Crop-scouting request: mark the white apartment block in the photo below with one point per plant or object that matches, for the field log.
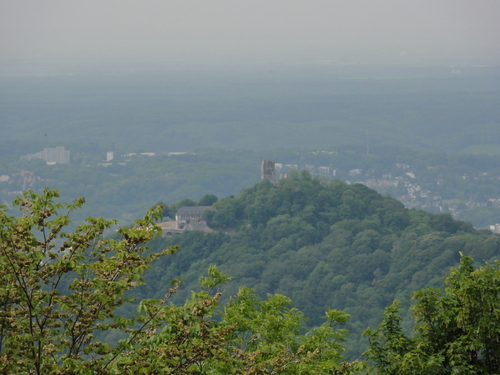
(56, 155)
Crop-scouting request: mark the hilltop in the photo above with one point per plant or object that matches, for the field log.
(324, 244)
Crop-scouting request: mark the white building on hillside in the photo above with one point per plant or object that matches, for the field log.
(56, 155)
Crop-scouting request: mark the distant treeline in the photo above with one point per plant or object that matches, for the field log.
(431, 108)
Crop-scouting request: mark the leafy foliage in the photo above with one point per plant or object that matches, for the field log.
(324, 244)
(458, 331)
(60, 291)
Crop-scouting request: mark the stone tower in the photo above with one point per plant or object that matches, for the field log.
(267, 171)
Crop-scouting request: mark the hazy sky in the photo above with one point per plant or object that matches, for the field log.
(149, 31)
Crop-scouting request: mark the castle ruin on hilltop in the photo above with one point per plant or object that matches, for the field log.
(267, 171)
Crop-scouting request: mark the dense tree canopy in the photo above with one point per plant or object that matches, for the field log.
(325, 245)
(66, 298)
(60, 292)
(458, 330)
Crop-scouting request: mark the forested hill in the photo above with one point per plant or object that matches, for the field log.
(324, 244)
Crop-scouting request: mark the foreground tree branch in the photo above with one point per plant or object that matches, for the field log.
(61, 291)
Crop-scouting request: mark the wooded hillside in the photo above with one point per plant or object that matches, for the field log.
(325, 245)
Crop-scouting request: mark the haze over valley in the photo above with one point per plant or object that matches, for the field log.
(382, 122)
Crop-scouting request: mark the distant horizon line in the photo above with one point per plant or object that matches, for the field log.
(30, 68)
